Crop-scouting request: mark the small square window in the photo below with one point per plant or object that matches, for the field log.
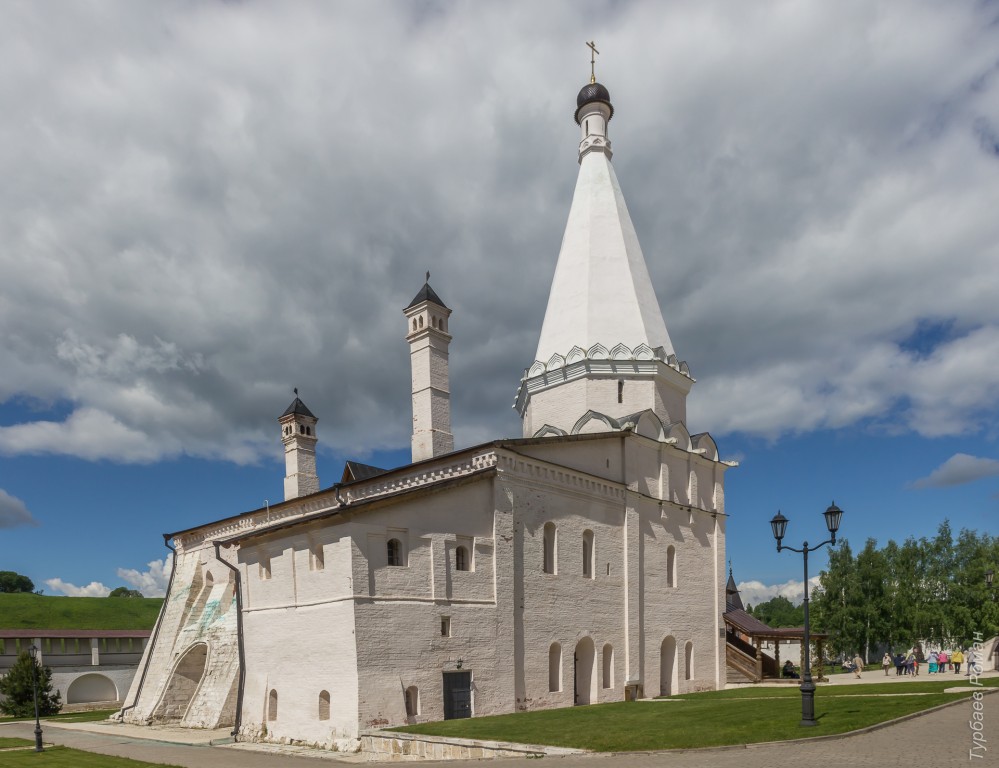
(445, 626)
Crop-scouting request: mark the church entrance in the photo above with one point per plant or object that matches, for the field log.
(457, 695)
(584, 672)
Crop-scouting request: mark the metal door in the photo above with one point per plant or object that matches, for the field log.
(457, 695)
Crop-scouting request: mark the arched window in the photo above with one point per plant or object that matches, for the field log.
(272, 705)
(324, 705)
(688, 661)
(412, 701)
(671, 566)
(395, 556)
(421, 322)
(414, 323)
(588, 554)
(608, 666)
(555, 667)
(551, 549)
(461, 559)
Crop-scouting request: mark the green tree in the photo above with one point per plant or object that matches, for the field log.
(16, 689)
(835, 604)
(15, 582)
(779, 612)
(125, 592)
(872, 606)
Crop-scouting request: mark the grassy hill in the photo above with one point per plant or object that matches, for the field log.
(27, 611)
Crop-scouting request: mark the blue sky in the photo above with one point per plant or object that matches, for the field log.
(210, 205)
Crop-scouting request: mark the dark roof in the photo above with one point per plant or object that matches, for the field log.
(593, 92)
(297, 408)
(427, 294)
(733, 601)
(70, 633)
(355, 470)
(753, 627)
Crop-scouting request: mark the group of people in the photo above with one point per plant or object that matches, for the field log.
(938, 661)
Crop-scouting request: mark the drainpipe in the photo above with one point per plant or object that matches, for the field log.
(156, 631)
(239, 639)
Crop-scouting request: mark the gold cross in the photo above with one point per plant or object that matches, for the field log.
(593, 60)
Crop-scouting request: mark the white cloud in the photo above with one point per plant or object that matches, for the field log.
(14, 512)
(203, 210)
(958, 470)
(93, 589)
(756, 592)
(151, 582)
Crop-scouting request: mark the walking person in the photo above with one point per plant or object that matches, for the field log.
(957, 658)
(899, 662)
(886, 663)
(858, 666)
(972, 659)
(910, 664)
(942, 658)
(933, 661)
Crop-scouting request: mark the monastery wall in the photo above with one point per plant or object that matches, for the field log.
(298, 628)
(424, 615)
(682, 597)
(578, 612)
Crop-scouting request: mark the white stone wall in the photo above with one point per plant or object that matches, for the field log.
(324, 610)
(196, 613)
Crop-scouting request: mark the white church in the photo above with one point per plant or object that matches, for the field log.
(579, 563)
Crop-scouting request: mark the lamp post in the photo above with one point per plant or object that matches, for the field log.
(33, 652)
(779, 526)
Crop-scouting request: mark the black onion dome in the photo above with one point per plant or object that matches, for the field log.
(593, 92)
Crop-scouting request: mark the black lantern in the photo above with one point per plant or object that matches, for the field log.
(833, 515)
(779, 526)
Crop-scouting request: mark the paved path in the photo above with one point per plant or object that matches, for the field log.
(935, 740)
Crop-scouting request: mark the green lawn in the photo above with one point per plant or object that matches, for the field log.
(698, 720)
(11, 741)
(69, 717)
(28, 611)
(63, 757)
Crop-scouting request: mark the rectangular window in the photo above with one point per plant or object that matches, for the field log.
(445, 626)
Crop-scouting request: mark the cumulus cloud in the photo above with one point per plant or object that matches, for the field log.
(756, 592)
(958, 470)
(93, 589)
(14, 512)
(151, 582)
(210, 204)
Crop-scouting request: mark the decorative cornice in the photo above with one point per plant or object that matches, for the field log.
(542, 472)
(423, 474)
(620, 360)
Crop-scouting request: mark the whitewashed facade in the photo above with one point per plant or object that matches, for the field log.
(580, 563)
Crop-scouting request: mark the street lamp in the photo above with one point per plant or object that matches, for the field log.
(33, 652)
(779, 526)
(988, 577)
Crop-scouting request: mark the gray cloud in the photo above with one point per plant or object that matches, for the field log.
(208, 205)
(958, 470)
(13, 512)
